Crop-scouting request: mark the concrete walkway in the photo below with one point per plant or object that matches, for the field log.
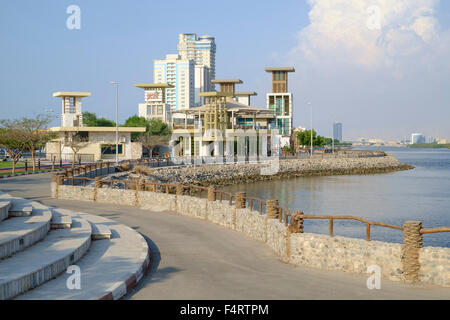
(194, 259)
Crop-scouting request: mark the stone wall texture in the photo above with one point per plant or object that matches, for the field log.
(305, 249)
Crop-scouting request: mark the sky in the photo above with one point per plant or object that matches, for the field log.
(380, 67)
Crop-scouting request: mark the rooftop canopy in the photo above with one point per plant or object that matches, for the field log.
(274, 69)
(231, 106)
(97, 129)
(246, 93)
(153, 85)
(219, 81)
(71, 94)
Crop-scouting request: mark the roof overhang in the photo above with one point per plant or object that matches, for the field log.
(274, 69)
(97, 129)
(245, 93)
(71, 94)
(219, 81)
(154, 85)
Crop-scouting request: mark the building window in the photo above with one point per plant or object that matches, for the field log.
(111, 149)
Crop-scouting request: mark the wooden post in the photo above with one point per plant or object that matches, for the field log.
(240, 200)
(271, 209)
(331, 227)
(179, 189)
(211, 194)
(368, 231)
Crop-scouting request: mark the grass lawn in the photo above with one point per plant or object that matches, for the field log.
(7, 164)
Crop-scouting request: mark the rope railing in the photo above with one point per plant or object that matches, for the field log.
(283, 215)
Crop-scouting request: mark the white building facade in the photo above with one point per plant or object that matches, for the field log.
(179, 73)
(202, 51)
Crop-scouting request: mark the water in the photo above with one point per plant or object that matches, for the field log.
(420, 194)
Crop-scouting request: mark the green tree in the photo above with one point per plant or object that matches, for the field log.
(13, 138)
(154, 127)
(91, 120)
(36, 134)
(304, 139)
(329, 141)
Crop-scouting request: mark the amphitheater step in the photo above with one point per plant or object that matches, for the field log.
(100, 232)
(108, 270)
(20, 208)
(19, 233)
(60, 220)
(4, 209)
(45, 260)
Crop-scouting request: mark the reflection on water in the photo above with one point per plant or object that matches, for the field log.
(420, 194)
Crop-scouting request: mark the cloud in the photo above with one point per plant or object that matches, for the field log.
(370, 34)
(376, 65)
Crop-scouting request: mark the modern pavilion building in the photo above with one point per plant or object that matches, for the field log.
(88, 143)
(280, 100)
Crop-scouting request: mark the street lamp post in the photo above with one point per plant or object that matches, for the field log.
(332, 141)
(309, 103)
(117, 120)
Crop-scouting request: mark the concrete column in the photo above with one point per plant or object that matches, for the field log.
(272, 211)
(211, 194)
(412, 242)
(239, 200)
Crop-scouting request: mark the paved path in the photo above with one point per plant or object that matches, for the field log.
(194, 259)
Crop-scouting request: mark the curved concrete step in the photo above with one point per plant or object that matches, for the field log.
(45, 260)
(19, 233)
(108, 270)
(4, 209)
(60, 220)
(100, 232)
(18, 207)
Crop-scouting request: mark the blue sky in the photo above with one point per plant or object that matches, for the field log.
(376, 90)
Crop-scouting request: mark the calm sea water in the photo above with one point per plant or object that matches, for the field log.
(420, 194)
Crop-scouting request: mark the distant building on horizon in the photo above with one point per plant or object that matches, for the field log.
(417, 138)
(337, 131)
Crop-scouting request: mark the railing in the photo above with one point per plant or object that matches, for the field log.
(283, 214)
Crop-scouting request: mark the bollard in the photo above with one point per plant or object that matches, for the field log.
(239, 201)
(39, 164)
(179, 189)
(272, 211)
(26, 165)
(211, 193)
(412, 242)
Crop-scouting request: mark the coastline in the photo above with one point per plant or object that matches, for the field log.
(228, 174)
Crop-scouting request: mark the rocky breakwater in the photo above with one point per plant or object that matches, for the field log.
(225, 174)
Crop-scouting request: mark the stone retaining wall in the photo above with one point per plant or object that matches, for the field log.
(306, 249)
(225, 174)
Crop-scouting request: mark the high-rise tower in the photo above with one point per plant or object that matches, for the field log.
(202, 51)
(280, 100)
(179, 73)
